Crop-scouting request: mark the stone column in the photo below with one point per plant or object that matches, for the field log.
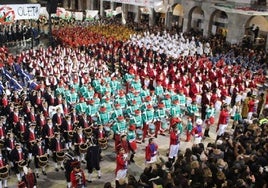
(152, 17)
(65, 4)
(101, 8)
(72, 4)
(137, 14)
(80, 5)
(89, 4)
(125, 10)
(112, 5)
(184, 25)
(205, 27)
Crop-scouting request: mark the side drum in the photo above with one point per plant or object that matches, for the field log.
(3, 173)
(42, 160)
(103, 143)
(60, 156)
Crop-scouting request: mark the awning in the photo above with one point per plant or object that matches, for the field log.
(178, 10)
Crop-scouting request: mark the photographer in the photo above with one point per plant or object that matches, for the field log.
(77, 176)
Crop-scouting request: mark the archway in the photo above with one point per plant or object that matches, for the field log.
(196, 17)
(178, 14)
(218, 23)
(256, 30)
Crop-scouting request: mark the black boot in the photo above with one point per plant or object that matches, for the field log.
(206, 133)
(217, 138)
(132, 158)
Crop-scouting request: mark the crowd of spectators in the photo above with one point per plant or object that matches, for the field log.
(236, 160)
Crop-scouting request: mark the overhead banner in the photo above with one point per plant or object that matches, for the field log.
(144, 3)
(10, 13)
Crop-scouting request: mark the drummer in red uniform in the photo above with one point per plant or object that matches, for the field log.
(121, 164)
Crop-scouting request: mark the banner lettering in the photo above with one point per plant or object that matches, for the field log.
(10, 13)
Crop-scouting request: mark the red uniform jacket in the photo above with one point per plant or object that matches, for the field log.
(77, 178)
(251, 105)
(121, 162)
(150, 151)
(174, 138)
(223, 118)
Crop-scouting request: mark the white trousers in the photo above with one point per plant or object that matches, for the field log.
(173, 150)
(121, 174)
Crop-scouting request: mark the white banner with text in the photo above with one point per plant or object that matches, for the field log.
(10, 13)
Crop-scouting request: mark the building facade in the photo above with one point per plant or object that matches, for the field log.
(233, 19)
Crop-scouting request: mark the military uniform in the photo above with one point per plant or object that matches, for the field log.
(147, 101)
(192, 110)
(104, 117)
(88, 93)
(115, 85)
(137, 98)
(118, 111)
(131, 139)
(121, 100)
(148, 119)
(159, 90)
(144, 93)
(81, 107)
(167, 102)
(189, 128)
(182, 100)
(107, 104)
(175, 112)
(60, 89)
(92, 110)
(136, 84)
(161, 122)
(209, 118)
(130, 95)
(119, 128)
(137, 119)
(131, 108)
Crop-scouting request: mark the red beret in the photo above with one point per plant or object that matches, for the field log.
(120, 118)
(91, 101)
(132, 127)
(167, 96)
(161, 105)
(102, 109)
(137, 111)
(148, 98)
(75, 164)
(117, 105)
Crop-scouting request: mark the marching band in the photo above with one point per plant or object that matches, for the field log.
(68, 107)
